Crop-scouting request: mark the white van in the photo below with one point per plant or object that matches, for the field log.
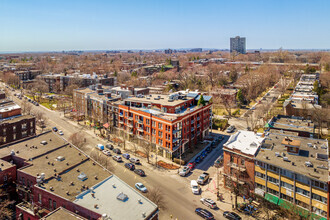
(195, 187)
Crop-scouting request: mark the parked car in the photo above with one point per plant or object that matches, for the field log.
(231, 215)
(126, 156)
(230, 129)
(198, 159)
(218, 161)
(55, 129)
(117, 151)
(195, 187)
(130, 166)
(209, 203)
(203, 178)
(184, 171)
(208, 149)
(204, 153)
(106, 152)
(141, 187)
(139, 172)
(204, 213)
(191, 165)
(36, 104)
(202, 156)
(109, 146)
(117, 158)
(134, 160)
(60, 132)
(100, 147)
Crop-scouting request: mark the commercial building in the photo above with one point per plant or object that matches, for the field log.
(293, 172)
(303, 127)
(238, 45)
(172, 123)
(51, 173)
(168, 51)
(239, 158)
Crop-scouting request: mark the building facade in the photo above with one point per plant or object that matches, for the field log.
(238, 45)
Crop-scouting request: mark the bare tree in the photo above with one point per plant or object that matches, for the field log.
(156, 195)
(41, 119)
(78, 140)
(146, 146)
(26, 107)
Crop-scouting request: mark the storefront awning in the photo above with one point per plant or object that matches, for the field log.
(271, 198)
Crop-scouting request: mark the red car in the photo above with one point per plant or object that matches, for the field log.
(191, 165)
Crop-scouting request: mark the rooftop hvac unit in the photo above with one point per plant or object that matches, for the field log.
(277, 154)
(286, 159)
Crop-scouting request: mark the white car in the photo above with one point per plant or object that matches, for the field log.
(134, 160)
(60, 132)
(117, 158)
(195, 187)
(141, 187)
(184, 171)
(106, 152)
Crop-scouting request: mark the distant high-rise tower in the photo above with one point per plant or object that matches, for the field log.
(238, 44)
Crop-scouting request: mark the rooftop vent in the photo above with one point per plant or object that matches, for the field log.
(286, 159)
(277, 154)
(43, 142)
(60, 158)
(82, 177)
(122, 197)
(308, 164)
(170, 100)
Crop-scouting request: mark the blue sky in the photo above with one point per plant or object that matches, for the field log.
(43, 25)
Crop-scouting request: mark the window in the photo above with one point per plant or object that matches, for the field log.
(160, 141)
(153, 124)
(260, 164)
(319, 211)
(302, 191)
(24, 133)
(272, 180)
(286, 197)
(14, 136)
(302, 204)
(160, 125)
(147, 121)
(260, 186)
(14, 128)
(274, 192)
(260, 175)
(319, 184)
(39, 198)
(153, 131)
(5, 178)
(54, 204)
(242, 161)
(319, 198)
(23, 181)
(286, 185)
(31, 132)
(4, 131)
(24, 126)
(160, 134)
(50, 204)
(273, 168)
(287, 173)
(302, 179)
(231, 158)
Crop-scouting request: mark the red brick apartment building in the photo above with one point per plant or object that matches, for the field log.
(51, 176)
(13, 125)
(238, 156)
(172, 122)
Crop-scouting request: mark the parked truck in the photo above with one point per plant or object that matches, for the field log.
(100, 147)
(203, 178)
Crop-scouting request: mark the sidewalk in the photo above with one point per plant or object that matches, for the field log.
(210, 191)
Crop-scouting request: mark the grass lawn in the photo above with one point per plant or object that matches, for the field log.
(222, 111)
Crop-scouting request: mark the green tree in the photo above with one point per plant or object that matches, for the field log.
(162, 69)
(201, 101)
(134, 74)
(240, 97)
(115, 73)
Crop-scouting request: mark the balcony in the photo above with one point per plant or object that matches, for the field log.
(130, 125)
(193, 121)
(140, 136)
(140, 129)
(130, 118)
(233, 178)
(192, 129)
(175, 131)
(175, 140)
(198, 125)
(140, 121)
(198, 118)
(237, 167)
(121, 122)
(130, 131)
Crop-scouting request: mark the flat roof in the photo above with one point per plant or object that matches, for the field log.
(162, 101)
(49, 162)
(5, 165)
(309, 149)
(295, 124)
(135, 206)
(32, 147)
(245, 141)
(63, 185)
(15, 119)
(62, 213)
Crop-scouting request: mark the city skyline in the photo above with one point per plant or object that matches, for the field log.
(102, 25)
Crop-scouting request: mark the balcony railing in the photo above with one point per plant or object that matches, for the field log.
(192, 129)
(140, 121)
(121, 122)
(198, 118)
(193, 121)
(175, 140)
(130, 118)
(130, 125)
(140, 129)
(198, 125)
(237, 167)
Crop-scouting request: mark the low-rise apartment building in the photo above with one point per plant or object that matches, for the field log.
(239, 158)
(172, 123)
(304, 127)
(51, 173)
(292, 172)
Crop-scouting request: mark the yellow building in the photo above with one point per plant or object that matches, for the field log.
(292, 172)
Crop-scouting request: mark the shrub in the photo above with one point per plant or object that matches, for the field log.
(178, 161)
